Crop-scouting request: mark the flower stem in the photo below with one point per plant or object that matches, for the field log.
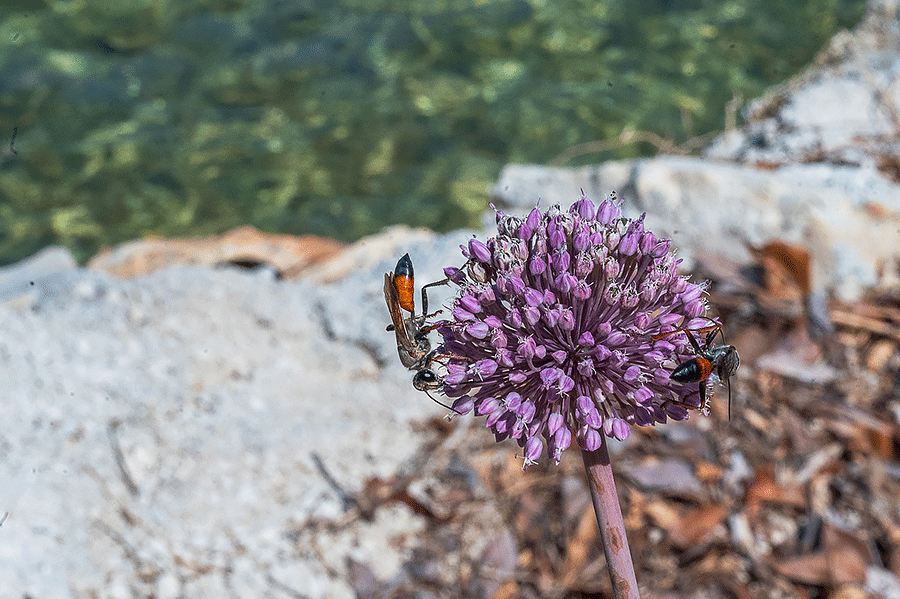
(609, 518)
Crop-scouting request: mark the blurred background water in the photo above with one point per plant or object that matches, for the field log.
(338, 117)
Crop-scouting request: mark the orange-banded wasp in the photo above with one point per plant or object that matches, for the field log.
(412, 333)
(721, 360)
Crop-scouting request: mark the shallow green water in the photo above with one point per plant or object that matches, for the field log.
(340, 117)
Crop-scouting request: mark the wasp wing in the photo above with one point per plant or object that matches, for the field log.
(392, 300)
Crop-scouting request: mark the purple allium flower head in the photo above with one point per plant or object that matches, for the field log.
(551, 334)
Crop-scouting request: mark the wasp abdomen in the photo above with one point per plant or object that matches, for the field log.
(692, 371)
(404, 283)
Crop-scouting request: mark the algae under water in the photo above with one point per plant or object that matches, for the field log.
(338, 117)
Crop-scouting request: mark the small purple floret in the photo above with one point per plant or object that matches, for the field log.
(551, 332)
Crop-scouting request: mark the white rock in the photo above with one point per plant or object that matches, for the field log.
(216, 386)
(849, 218)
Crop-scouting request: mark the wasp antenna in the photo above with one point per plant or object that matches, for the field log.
(721, 331)
(716, 328)
(442, 404)
(710, 337)
(729, 400)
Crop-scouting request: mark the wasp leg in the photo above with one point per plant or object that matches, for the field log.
(694, 343)
(707, 342)
(704, 401)
(685, 405)
(425, 317)
(451, 357)
(443, 281)
(425, 297)
(708, 330)
(432, 327)
(659, 336)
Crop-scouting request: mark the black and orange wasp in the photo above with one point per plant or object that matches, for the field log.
(413, 344)
(721, 360)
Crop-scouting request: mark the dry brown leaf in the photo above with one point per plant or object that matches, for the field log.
(697, 526)
(879, 354)
(865, 433)
(875, 209)
(707, 472)
(739, 591)
(808, 569)
(580, 548)
(765, 489)
(497, 567)
(663, 514)
(849, 553)
(378, 491)
(846, 566)
(509, 590)
(636, 510)
(786, 267)
(851, 591)
(290, 255)
(842, 560)
(855, 320)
